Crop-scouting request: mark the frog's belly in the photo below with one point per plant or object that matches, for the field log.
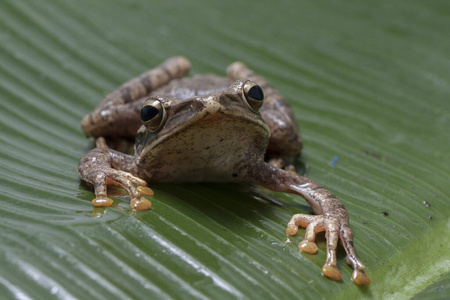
(211, 163)
(195, 170)
(221, 153)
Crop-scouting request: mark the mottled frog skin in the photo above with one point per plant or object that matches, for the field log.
(209, 128)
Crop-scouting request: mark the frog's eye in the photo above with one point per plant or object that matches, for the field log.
(153, 114)
(254, 95)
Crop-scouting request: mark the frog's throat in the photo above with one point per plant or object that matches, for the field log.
(219, 119)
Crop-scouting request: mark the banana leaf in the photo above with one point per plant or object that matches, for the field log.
(369, 85)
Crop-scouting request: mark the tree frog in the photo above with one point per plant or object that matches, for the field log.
(215, 129)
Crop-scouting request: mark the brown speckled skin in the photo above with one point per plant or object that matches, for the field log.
(211, 134)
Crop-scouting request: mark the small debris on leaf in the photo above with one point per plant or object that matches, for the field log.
(334, 161)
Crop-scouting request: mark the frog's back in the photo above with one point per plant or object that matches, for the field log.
(194, 86)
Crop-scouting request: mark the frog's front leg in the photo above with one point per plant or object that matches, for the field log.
(103, 166)
(331, 217)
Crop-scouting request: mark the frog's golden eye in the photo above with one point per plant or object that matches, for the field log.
(254, 95)
(153, 114)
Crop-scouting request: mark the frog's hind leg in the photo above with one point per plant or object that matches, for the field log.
(272, 97)
(122, 106)
(138, 87)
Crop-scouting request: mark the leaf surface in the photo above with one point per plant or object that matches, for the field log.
(369, 84)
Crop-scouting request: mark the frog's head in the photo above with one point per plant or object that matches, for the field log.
(228, 119)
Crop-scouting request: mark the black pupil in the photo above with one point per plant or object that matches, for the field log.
(148, 112)
(256, 93)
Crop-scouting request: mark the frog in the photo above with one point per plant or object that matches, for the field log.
(209, 128)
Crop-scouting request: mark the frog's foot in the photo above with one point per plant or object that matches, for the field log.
(96, 168)
(359, 276)
(334, 229)
(128, 181)
(281, 163)
(313, 224)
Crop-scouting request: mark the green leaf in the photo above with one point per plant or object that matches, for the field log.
(369, 84)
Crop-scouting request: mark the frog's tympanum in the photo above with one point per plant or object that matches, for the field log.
(210, 128)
